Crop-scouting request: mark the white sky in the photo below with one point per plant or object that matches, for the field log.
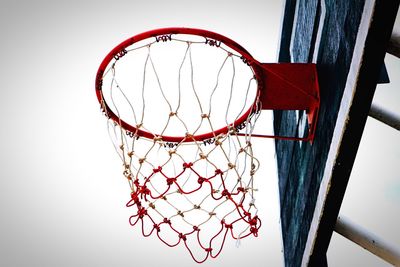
(62, 194)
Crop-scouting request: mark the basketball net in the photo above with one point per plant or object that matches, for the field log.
(191, 176)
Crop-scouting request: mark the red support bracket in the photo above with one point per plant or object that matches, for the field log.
(291, 86)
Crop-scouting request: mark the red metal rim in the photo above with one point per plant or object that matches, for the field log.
(166, 31)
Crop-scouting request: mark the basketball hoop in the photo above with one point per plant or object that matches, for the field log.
(181, 106)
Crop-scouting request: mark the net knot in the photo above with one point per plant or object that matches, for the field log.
(144, 190)
(128, 175)
(208, 250)
(201, 180)
(180, 213)
(130, 154)
(195, 228)
(218, 172)
(170, 181)
(205, 116)
(182, 236)
(241, 189)
(254, 231)
(226, 193)
(141, 160)
(202, 156)
(228, 226)
(171, 114)
(254, 221)
(134, 200)
(167, 221)
(142, 212)
(231, 165)
(135, 197)
(187, 165)
(158, 169)
(157, 227)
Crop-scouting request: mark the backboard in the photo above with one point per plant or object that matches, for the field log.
(347, 40)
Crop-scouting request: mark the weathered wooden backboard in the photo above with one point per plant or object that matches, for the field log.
(347, 40)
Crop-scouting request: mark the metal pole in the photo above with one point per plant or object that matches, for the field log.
(385, 116)
(368, 241)
(394, 44)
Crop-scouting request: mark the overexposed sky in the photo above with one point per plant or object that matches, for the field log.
(62, 193)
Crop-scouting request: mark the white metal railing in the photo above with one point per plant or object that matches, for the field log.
(394, 44)
(367, 240)
(386, 116)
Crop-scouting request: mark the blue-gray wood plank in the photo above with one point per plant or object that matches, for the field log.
(301, 167)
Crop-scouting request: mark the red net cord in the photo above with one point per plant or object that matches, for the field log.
(143, 194)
